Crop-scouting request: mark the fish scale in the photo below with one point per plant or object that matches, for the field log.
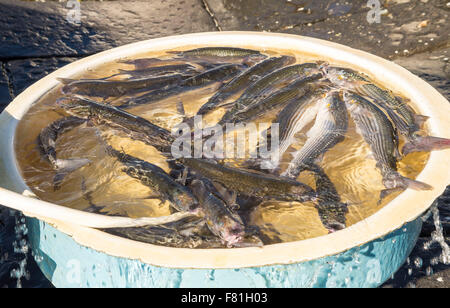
(217, 74)
(179, 196)
(252, 184)
(328, 130)
(240, 81)
(131, 125)
(277, 99)
(274, 79)
(378, 131)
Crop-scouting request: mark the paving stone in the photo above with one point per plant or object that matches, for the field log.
(35, 29)
(406, 27)
(433, 67)
(5, 96)
(26, 72)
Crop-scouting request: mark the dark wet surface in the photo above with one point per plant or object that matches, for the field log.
(36, 39)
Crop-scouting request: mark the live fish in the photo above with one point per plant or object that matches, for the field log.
(117, 88)
(184, 69)
(276, 100)
(376, 129)
(216, 52)
(295, 117)
(251, 183)
(165, 188)
(190, 232)
(145, 63)
(329, 129)
(243, 80)
(332, 211)
(211, 76)
(219, 218)
(132, 126)
(262, 87)
(47, 145)
(405, 119)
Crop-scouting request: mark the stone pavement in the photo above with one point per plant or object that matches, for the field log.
(36, 39)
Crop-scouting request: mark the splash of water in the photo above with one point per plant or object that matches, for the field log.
(20, 246)
(437, 236)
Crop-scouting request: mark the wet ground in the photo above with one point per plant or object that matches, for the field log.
(36, 38)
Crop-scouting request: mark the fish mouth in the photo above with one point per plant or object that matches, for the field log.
(233, 237)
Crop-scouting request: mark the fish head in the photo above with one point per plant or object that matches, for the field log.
(74, 107)
(253, 59)
(343, 77)
(185, 201)
(229, 229)
(310, 69)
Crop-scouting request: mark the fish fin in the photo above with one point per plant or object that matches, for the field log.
(416, 185)
(66, 166)
(397, 154)
(58, 179)
(65, 81)
(233, 201)
(319, 159)
(70, 165)
(426, 144)
(395, 181)
(420, 119)
(385, 192)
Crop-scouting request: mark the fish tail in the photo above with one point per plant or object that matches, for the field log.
(66, 166)
(394, 181)
(403, 183)
(416, 185)
(426, 144)
(420, 119)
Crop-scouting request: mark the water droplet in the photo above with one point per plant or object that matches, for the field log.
(418, 262)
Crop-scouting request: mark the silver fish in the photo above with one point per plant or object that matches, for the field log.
(332, 211)
(47, 143)
(132, 126)
(243, 80)
(328, 130)
(219, 218)
(295, 117)
(405, 119)
(377, 130)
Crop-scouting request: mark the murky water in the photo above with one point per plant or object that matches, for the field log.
(348, 165)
